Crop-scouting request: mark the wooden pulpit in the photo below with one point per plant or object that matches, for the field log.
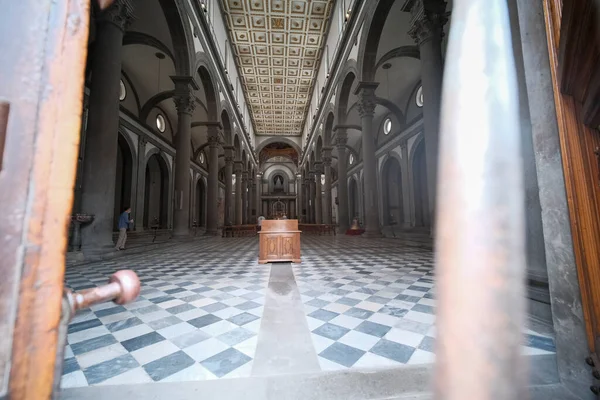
(279, 241)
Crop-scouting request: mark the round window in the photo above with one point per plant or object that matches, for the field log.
(351, 159)
(387, 126)
(322, 179)
(160, 123)
(202, 158)
(123, 92)
(419, 97)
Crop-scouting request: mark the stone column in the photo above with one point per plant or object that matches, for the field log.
(426, 28)
(307, 199)
(407, 197)
(185, 103)
(318, 194)
(238, 193)
(299, 197)
(366, 110)
(100, 154)
(245, 197)
(326, 157)
(138, 214)
(212, 198)
(312, 197)
(229, 217)
(343, 217)
(251, 199)
(258, 194)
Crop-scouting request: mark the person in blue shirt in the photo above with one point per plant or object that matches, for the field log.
(124, 221)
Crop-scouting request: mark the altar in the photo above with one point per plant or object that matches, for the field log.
(279, 241)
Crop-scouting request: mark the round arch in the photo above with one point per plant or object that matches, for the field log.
(156, 190)
(124, 176)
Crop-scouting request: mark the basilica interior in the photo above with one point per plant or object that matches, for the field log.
(204, 118)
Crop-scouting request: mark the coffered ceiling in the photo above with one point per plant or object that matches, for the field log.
(278, 46)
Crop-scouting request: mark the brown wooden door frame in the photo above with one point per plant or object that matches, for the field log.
(573, 44)
(44, 49)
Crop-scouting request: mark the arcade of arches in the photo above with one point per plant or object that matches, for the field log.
(200, 115)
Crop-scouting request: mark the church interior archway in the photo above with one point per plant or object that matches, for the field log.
(200, 202)
(421, 199)
(392, 192)
(123, 179)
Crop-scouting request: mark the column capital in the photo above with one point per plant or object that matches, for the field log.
(244, 176)
(214, 141)
(238, 167)
(327, 160)
(318, 168)
(367, 100)
(185, 102)
(428, 20)
(120, 14)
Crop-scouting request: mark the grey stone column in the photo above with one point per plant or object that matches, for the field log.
(428, 19)
(366, 110)
(343, 217)
(407, 198)
(312, 197)
(138, 214)
(244, 197)
(212, 198)
(238, 193)
(258, 194)
(318, 194)
(306, 199)
(185, 103)
(299, 196)
(229, 217)
(100, 155)
(327, 170)
(251, 199)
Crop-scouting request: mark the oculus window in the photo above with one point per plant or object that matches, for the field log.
(160, 123)
(419, 97)
(123, 92)
(387, 126)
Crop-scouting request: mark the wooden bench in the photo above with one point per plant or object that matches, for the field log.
(239, 230)
(318, 229)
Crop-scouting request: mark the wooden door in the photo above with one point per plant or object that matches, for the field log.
(43, 45)
(574, 48)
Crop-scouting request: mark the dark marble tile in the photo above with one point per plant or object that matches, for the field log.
(229, 289)
(142, 341)
(164, 322)
(427, 344)
(342, 354)
(181, 308)
(93, 344)
(214, 307)
(393, 311)
(249, 305)
(378, 299)
(124, 324)
(225, 362)
(205, 320)
(242, 319)
(348, 301)
(162, 299)
(419, 288)
(372, 328)
(111, 368)
(202, 289)
(340, 292)
(331, 331)
(393, 351)
(168, 365)
(176, 290)
(110, 311)
(323, 315)
(358, 313)
(146, 310)
(424, 309)
(410, 299)
(251, 296)
(70, 365)
(81, 326)
(317, 303)
(194, 297)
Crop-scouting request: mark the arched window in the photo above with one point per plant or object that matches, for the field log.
(419, 97)
(160, 123)
(123, 92)
(387, 126)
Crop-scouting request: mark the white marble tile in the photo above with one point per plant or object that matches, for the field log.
(404, 337)
(154, 352)
(206, 349)
(73, 379)
(87, 334)
(136, 375)
(132, 332)
(176, 330)
(359, 340)
(100, 355)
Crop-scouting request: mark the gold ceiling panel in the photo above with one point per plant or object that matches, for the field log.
(278, 46)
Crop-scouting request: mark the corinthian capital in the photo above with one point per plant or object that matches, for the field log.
(119, 13)
(367, 100)
(185, 103)
(428, 20)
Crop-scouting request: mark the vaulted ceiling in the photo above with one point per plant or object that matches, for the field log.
(278, 46)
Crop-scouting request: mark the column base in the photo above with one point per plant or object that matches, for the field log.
(211, 232)
(181, 234)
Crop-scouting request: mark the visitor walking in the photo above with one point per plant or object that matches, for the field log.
(124, 221)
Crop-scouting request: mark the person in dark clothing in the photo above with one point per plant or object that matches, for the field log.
(124, 221)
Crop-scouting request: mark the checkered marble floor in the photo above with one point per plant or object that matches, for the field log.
(197, 317)
(370, 303)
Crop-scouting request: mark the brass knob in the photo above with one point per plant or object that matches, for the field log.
(123, 287)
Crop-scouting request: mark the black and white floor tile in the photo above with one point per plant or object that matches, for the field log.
(368, 304)
(197, 317)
